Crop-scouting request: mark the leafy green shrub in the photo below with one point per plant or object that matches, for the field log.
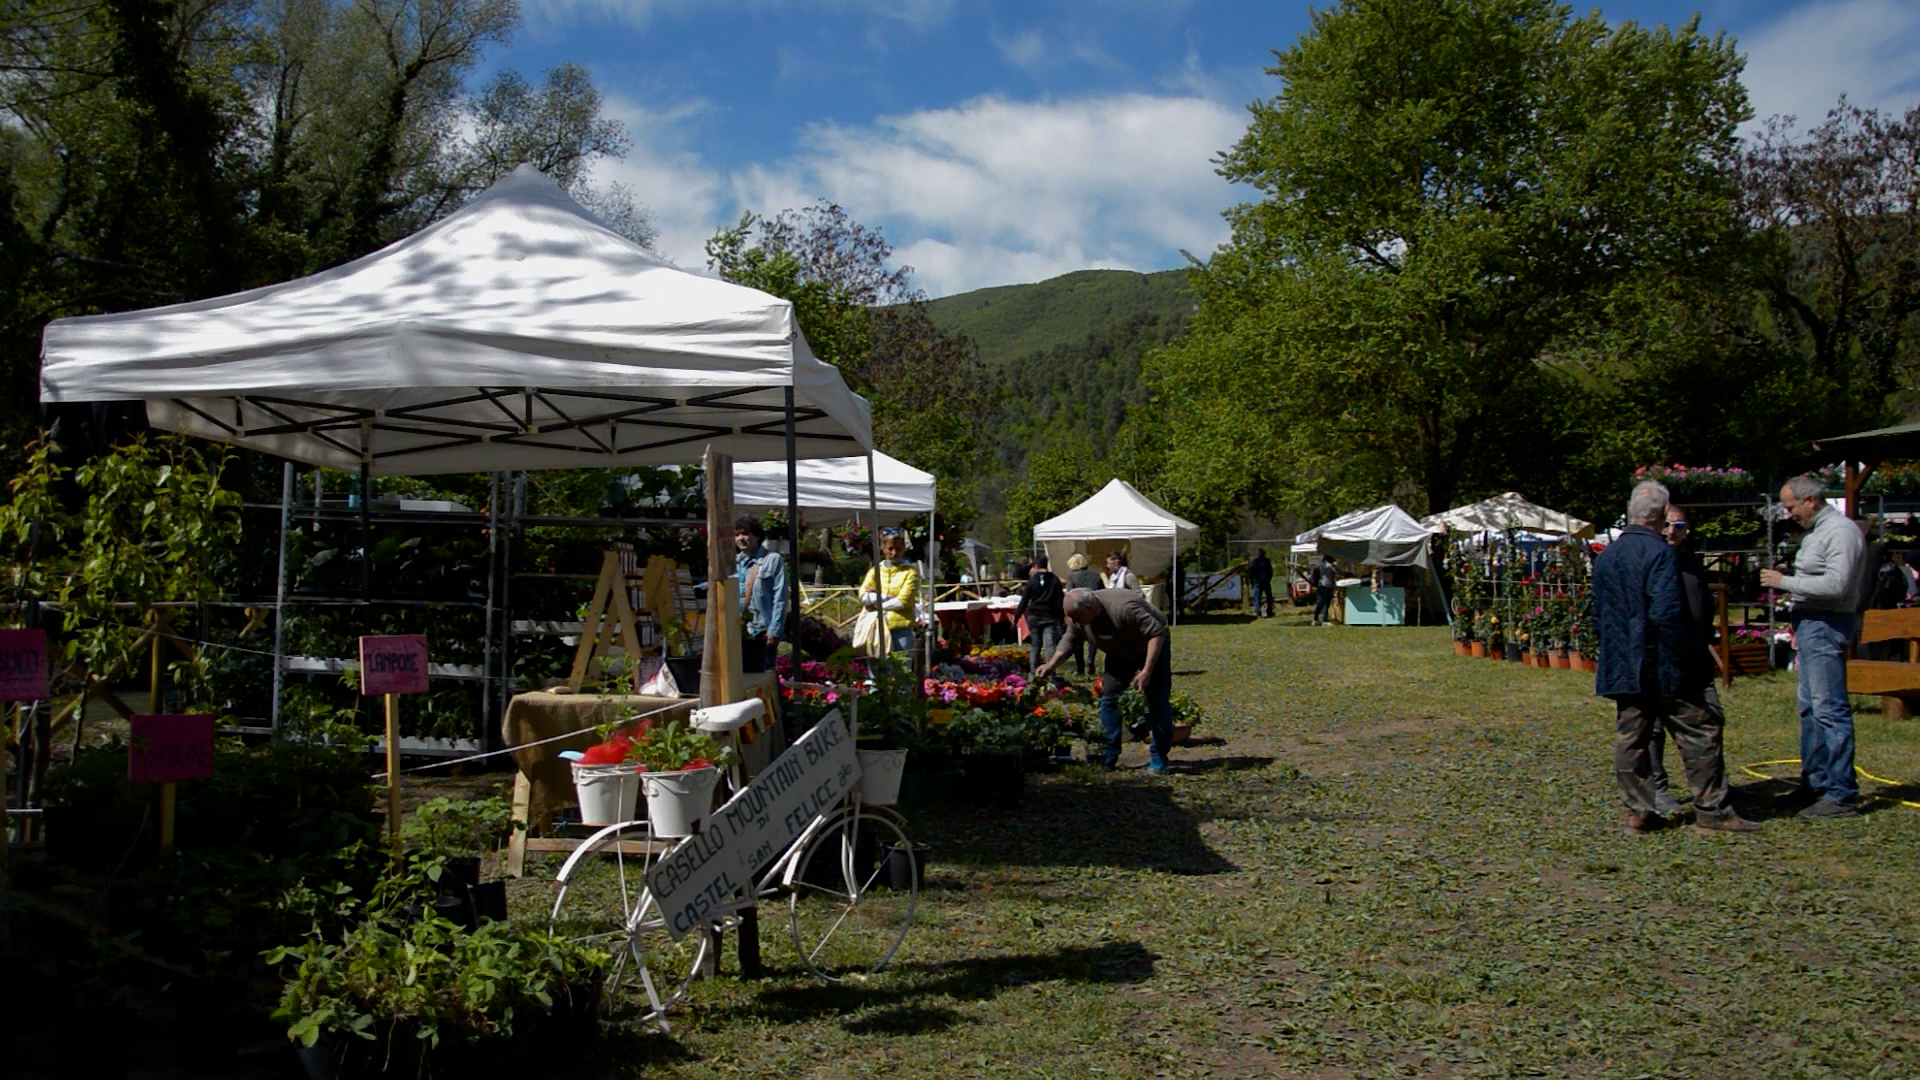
(430, 981)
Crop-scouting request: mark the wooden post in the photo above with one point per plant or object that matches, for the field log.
(1726, 637)
(393, 764)
(156, 700)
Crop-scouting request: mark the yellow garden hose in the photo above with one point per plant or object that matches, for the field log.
(1752, 768)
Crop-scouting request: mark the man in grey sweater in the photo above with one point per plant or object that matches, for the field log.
(1822, 589)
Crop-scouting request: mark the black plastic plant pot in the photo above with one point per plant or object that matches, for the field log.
(454, 909)
(488, 902)
(461, 872)
(997, 780)
(907, 866)
(686, 672)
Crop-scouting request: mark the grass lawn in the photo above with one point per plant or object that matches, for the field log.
(1382, 860)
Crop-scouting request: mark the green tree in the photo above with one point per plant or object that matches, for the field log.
(926, 388)
(1452, 188)
(1837, 213)
(156, 151)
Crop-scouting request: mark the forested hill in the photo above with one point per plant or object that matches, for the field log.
(1068, 354)
(1013, 322)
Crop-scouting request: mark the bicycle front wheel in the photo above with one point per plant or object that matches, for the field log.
(601, 899)
(847, 920)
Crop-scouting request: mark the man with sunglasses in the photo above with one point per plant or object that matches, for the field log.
(1698, 638)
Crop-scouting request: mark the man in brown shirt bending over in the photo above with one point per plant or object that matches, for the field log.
(1132, 635)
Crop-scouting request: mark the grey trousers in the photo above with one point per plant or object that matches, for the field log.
(1694, 723)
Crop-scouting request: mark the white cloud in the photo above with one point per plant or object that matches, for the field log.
(987, 192)
(686, 197)
(918, 14)
(1026, 50)
(992, 190)
(1800, 63)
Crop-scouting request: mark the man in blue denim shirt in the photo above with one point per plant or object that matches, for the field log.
(762, 575)
(1824, 623)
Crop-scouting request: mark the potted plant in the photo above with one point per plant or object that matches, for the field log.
(447, 837)
(994, 746)
(679, 769)
(680, 658)
(1187, 715)
(606, 781)
(379, 995)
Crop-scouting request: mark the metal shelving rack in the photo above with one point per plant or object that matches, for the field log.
(501, 628)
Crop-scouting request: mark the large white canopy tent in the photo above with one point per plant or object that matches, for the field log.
(1118, 516)
(1508, 511)
(838, 489)
(519, 332)
(1382, 536)
(877, 488)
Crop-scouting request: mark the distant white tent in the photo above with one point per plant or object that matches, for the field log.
(1508, 511)
(1383, 536)
(832, 490)
(1118, 516)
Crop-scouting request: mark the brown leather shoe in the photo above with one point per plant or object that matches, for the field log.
(1644, 823)
(1732, 823)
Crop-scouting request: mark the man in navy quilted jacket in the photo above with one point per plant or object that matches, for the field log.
(1655, 673)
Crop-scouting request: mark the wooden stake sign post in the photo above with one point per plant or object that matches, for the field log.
(391, 666)
(165, 750)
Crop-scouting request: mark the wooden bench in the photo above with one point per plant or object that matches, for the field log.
(1896, 681)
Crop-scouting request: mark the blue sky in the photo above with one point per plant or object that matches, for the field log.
(1006, 142)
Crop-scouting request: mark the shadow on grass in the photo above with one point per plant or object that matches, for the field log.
(898, 1005)
(1234, 763)
(1080, 817)
(1215, 618)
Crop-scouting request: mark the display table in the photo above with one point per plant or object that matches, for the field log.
(1365, 606)
(543, 784)
(977, 616)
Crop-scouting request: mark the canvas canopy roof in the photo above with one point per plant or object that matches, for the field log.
(836, 488)
(1508, 511)
(1118, 516)
(518, 333)
(1383, 536)
(1387, 526)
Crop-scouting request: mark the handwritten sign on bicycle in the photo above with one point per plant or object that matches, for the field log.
(700, 876)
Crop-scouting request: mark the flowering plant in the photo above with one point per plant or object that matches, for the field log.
(616, 743)
(673, 748)
(1699, 480)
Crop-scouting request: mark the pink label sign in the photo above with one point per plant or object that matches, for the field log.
(23, 665)
(393, 665)
(168, 748)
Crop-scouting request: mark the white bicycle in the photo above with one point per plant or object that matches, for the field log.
(850, 881)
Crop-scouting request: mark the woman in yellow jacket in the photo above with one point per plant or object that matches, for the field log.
(895, 591)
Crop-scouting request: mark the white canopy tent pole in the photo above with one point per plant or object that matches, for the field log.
(1173, 577)
(933, 579)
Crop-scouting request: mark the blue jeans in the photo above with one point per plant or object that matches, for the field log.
(1159, 709)
(1042, 638)
(1826, 719)
(1262, 599)
(901, 640)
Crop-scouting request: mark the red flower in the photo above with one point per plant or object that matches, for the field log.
(1039, 711)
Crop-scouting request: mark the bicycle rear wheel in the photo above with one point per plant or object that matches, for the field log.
(847, 920)
(601, 899)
